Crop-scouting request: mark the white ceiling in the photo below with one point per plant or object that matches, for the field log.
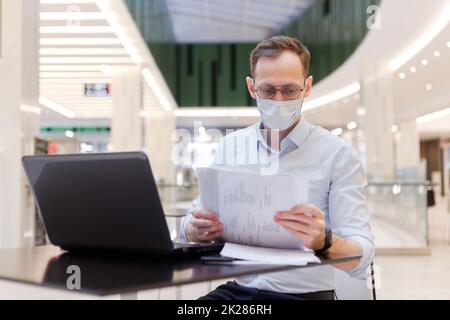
(374, 56)
(64, 67)
(379, 48)
(231, 20)
(83, 41)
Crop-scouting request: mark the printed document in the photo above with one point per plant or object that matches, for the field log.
(247, 203)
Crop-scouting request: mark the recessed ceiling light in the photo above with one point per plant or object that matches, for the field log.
(428, 86)
(107, 70)
(69, 134)
(437, 53)
(413, 69)
(448, 44)
(402, 75)
(424, 62)
(394, 128)
(361, 112)
(352, 125)
(337, 131)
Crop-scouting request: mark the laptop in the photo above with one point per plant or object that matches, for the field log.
(103, 202)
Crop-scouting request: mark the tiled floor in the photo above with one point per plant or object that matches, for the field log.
(420, 277)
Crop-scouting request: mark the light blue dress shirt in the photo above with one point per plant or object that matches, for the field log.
(336, 186)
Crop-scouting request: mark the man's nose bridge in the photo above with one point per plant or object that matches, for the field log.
(278, 95)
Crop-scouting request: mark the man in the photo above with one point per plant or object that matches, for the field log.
(335, 219)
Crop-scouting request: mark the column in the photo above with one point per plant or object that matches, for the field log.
(126, 122)
(159, 126)
(18, 90)
(376, 123)
(407, 145)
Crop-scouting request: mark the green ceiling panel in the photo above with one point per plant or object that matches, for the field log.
(214, 74)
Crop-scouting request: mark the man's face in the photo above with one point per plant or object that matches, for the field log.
(285, 69)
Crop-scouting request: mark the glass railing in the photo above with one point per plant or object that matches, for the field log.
(399, 214)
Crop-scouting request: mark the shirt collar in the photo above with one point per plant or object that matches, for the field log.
(298, 135)
(301, 131)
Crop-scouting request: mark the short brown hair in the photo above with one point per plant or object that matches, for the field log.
(274, 46)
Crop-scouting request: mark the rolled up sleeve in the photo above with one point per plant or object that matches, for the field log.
(184, 221)
(348, 211)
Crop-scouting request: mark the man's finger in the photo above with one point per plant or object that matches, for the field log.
(209, 236)
(301, 235)
(215, 228)
(300, 227)
(202, 214)
(198, 223)
(289, 216)
(308, 209)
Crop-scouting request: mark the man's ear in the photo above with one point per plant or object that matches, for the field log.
(250, 87)
(308, 85)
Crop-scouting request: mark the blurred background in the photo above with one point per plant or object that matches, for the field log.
(167, 77)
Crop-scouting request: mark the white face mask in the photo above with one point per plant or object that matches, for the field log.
(279, 115)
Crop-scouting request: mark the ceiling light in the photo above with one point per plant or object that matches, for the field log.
(67, 1)
(428, 86)
(107, 70)
(394, 128)
(422, 41)
(76, 29)
(217, 112)
(72, 82)
(437, 53)
(84, 60)
(31, 109)
(71, 16)
(448, 44)
(144, 113)
(55, 107)
(153, 84)
(82, 51)
(337, 131)
(361, 112)
(79, 41)
(119, 30)
(64, 67)
(433, 116)
(351, 125)
(424, 62)
(70, 75)
(86, 147)
(413, 69)
(331, 97)
(402, 75)
(69, 134)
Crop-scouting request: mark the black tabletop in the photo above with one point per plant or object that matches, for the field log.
(112, 274)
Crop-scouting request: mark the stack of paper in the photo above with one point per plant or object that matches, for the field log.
(247, 203)
(260, 255)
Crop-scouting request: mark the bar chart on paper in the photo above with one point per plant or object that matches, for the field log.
(247, 203)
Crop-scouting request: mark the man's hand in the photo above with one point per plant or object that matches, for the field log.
(306, 222)
(204, 226)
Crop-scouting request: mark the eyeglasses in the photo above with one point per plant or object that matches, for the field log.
(289, 91)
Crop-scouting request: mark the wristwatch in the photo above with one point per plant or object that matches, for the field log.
(328, 241)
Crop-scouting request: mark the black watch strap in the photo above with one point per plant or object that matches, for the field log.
(328, 241)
